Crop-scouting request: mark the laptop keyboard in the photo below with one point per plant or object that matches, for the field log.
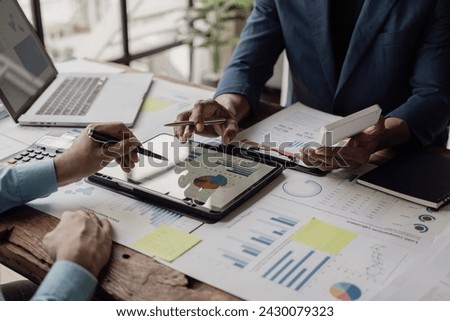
(73, 97)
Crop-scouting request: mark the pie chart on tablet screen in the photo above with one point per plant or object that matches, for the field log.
(210, 182)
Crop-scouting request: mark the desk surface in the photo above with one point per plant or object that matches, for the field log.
(130, 275)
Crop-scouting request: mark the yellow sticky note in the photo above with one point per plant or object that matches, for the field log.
(153, 104)
(324, 236)
(166, 242)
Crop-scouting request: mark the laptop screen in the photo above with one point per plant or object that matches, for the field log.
(25, 68)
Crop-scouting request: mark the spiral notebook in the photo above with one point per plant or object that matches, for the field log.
(422, 177)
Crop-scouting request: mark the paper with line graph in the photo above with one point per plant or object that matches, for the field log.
(313, 238)
(289, 129)
(270, 254)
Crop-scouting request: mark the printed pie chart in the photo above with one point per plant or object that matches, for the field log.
(302, 189)
(345, 291)
(210, 182)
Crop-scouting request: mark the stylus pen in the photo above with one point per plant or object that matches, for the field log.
(102, 139)
(191, 123)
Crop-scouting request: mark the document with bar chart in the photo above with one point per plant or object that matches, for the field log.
(321, 249)
(130, 218)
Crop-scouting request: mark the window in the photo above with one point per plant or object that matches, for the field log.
(123, 31)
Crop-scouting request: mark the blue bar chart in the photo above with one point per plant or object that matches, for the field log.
(264, 240)
(283, 220)
(298, 143)
(236, 260)
(157, 216)
(235, 168)
(293, 269)
(248, 241)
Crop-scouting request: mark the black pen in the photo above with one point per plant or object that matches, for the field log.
(103, 139)
(191, 123)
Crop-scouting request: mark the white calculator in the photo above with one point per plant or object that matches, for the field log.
(45, 147)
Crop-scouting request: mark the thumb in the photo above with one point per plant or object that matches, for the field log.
(372, 132)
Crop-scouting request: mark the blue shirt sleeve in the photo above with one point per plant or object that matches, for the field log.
(66, 281)
(22, 183)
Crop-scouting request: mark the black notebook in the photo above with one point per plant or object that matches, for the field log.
(421, 177)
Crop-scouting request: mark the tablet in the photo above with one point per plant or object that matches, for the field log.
(206, 182)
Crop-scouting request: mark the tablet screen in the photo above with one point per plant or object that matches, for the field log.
(193, 174)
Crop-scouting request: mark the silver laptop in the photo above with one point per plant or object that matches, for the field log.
(35, 94)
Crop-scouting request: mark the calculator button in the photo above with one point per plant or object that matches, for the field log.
(25, 159)
(18, 157)
(24, 153)
(37, 152)
(39, 157)
(51, 155)
(32, 155)
(42, 148)
(30, 150)
(60, 151)
(45, 153)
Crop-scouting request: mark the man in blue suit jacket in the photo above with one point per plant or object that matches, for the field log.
(344, 56)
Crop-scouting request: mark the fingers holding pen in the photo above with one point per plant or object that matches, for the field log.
(201, 115)
(179, 131)
(197, 116)
(120, 144)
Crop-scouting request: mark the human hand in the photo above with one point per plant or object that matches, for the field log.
(204, 110)
(353, 153)
(85, 156)
(82, 238)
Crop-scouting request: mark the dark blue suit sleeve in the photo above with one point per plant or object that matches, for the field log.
(252, 62)
(427, 111)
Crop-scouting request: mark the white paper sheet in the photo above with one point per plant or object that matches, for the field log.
(9, 146)
(131, 219)
(165, 101)
(339, 195)
(14, 138)
(289, 129)
(386, 243)
(427, 279)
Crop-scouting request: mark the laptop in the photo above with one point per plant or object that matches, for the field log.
(34, 93)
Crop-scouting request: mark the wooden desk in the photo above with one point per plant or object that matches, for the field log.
(129, 275)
